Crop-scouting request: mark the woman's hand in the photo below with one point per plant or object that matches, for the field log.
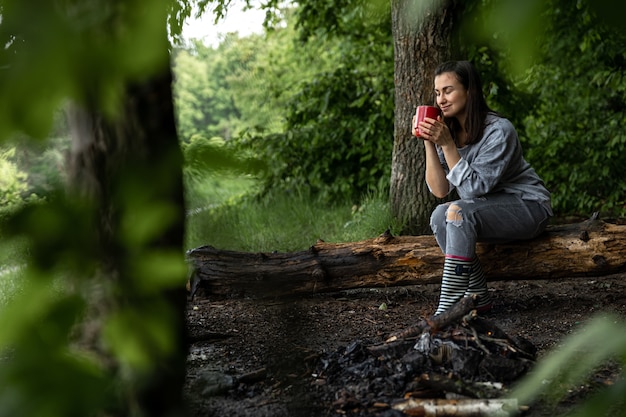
(435, 131)
(414, 127)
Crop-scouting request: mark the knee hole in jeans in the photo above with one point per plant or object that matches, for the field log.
(454, 215)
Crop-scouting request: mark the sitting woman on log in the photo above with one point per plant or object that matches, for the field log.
(476, 152)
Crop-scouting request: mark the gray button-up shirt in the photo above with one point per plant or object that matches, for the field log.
(495, 164)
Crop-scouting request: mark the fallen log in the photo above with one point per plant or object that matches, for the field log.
(590, 248)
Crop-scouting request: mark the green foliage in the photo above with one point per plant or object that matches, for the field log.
(333, 143)
(38, 322)
(338, 131)
(565, 93)
(242, 84)
(212, 155)
(214, 173)
(44, 355)
(344, 19)
(575, 132)
(268, 73)
(83, 46)
(250, 224)
(13, 182)
(569, 365)
(317, 115)
(205, 191)
(371, 217)
(203, 99)
(44, 161)
(191, 84)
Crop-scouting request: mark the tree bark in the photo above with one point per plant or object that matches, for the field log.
(124, 166)
(423, 38)
(591, 248)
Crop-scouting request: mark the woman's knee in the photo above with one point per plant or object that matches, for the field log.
(448, 213)
(438, 217)
(454, 214)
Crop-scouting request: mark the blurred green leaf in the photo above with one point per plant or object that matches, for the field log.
(89, 56)
(21, 314)
(156, 271)
(143, 222)
(140, 337)
(574, 360)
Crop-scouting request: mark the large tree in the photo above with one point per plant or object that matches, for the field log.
(98, 328)
(129, 170)
(423, 34)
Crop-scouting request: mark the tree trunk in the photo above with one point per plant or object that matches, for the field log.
(423, 38)
(125, 168)
(591, 248)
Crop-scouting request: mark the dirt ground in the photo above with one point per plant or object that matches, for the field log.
(260, 357)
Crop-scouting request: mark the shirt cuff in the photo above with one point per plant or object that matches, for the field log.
(460, 171)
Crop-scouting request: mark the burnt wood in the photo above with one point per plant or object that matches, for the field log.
(590, 248)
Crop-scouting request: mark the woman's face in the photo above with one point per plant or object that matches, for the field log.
(451, 95)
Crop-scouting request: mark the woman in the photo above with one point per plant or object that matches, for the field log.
(476, 152)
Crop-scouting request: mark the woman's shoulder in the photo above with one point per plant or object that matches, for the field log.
(495, 122)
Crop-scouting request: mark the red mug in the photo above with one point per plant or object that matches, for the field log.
(425, 111)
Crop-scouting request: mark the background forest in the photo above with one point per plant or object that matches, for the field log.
(309, 111)
(318, 116)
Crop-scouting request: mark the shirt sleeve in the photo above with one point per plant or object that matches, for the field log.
(488, 164)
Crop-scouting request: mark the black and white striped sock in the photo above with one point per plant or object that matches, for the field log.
(455, 281)
(478, 285)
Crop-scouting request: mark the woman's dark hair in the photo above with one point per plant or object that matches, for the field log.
(477, 108)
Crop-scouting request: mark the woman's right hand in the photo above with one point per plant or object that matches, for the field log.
(436, 132)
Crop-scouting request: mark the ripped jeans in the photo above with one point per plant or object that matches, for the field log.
(498, 217)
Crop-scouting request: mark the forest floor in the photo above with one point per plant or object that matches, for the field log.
(262, 358)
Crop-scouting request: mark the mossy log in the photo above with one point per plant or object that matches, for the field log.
(590, 248)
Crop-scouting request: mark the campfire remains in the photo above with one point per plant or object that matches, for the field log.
(454, 364)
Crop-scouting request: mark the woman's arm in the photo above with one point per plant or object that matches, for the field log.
(490, 164)
(435, 174)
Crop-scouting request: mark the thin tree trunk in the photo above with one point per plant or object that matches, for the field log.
(423, 38)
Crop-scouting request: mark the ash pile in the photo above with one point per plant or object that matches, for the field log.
(457, 363)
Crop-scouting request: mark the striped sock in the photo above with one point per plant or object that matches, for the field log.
(478, 285)
(455, 281)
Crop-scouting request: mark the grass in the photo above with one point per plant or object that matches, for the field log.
(12, 253)
(284, 221)
(222, 213)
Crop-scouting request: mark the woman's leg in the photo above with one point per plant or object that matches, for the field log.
(478, 286)
(454, 281)
(457, 226)
(457, 269)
